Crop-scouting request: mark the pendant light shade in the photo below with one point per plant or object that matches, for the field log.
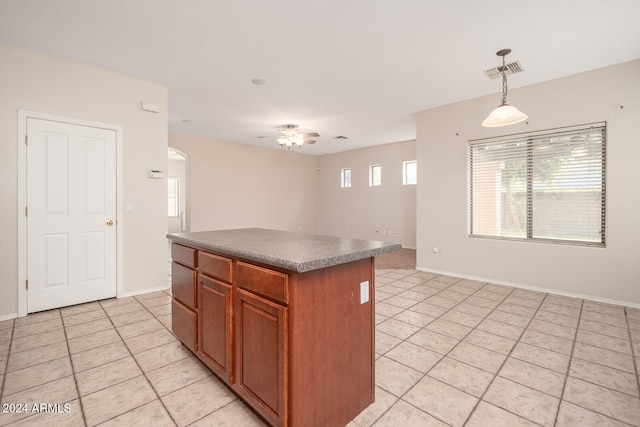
(504, 114)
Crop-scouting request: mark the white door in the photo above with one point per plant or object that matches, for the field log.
(71, 203)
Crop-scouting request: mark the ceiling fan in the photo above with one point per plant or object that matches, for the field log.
(292, 137)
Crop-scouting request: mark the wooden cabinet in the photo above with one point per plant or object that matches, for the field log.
(215, 266)
(184, 324)
(261, 362)
(297, 347)
(215, 334)
(183, 285)
(184, 255)
(184, 317)
(262, 281)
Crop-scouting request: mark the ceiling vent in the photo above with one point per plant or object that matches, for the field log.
(512, 68)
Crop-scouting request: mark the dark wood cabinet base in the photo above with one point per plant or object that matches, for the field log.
(296, 347)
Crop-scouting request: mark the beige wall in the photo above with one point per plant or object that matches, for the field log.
(360, 211)
(232, 185)
(612, 273)
(237, 186)
(46, 84)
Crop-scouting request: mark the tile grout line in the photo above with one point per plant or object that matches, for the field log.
(399, 398)
(190, 355)
(73, 371)
(583, 309)
(181, 388)
(524, 330)
(633, 353)
(33, 414)
(566, 378)
(445, 355)
(596, 363)
(138, 364)
(606, 366)
(136, 361)
(6, 363)
(496, 308)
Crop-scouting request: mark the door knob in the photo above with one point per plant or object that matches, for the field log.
(109, 222)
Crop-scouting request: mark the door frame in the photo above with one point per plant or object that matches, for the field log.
(23, 116)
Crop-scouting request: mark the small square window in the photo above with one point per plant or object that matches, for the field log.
(375, 175)
(410, 173)
(345, 178)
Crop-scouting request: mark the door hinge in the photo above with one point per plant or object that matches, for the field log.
(26, 283)
(26, 211)
(26, 140)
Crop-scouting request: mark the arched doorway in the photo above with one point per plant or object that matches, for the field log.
(178, 193)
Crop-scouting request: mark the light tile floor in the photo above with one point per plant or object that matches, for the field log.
(449, 352)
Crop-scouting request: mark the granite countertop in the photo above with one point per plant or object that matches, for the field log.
(293, 251)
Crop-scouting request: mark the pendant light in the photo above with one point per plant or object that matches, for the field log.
(504, 114)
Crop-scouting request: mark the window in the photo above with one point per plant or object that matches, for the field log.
(375, 175)
(410, 173)
(546, 186)
(345, 178)
(174, 196)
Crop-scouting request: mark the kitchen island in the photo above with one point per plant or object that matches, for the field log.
(284, 319)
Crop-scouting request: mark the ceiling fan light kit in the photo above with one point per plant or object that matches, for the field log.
(292, 137)
(504, 114)
(291, 141)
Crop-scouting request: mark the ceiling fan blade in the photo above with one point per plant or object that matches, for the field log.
(271, 136)
(309, 141)
(312, 134)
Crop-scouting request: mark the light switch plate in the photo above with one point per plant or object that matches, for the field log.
(364, 292)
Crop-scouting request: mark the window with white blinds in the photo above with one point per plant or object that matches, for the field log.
(546, 186)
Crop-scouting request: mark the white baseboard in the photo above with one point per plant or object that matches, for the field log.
(535, 288)
(8, 316)
(129, 294)
(145, 291)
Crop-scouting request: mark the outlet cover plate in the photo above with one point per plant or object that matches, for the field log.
(364, 292)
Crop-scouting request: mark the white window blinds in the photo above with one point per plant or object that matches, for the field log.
(547, 186)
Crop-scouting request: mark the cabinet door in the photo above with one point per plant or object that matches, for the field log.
(184, 324)
(261, 360)
(183, 284)
(215, 310)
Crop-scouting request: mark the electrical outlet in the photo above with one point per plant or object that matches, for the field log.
(364, 292)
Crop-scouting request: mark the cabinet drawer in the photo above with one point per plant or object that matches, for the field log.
(183, 284)
(269, 283)
(184, 323)
(184, 255)
(215, 266)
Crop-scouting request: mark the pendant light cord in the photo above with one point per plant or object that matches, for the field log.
(504, 82)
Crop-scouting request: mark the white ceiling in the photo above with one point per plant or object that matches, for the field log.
(357, 68)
